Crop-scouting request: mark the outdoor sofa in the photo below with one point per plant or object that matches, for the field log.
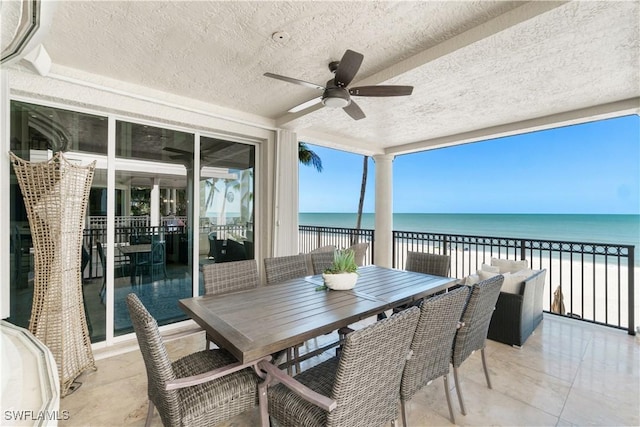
(518, 310)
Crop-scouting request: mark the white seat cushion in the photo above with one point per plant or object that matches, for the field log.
(508, 265)
(484, 275)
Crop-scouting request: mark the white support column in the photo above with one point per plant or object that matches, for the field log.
(155, 202)
(384, 210)
(173, 207)
(285, 240)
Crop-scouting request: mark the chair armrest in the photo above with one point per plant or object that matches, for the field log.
(211, 375)
(273, 373)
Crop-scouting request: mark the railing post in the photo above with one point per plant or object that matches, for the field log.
(523, 253)
(630, 269)
(393, 249)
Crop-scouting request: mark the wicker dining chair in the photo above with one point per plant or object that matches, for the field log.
(420, 262)
(360, 251)
(432, 346)
(360, 388)
(437, 265)
(321, 261)
(201, 389)
(229, 277)
(472, 334)
(307, 256)
(280, 269)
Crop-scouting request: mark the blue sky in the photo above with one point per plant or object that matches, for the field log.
(588, 168)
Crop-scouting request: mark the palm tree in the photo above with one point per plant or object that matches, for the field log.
(309, 157)
(363, 187)
(233, 185)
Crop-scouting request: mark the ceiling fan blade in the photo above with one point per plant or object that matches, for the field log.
(177, 150)
(381, 90)
(294, 81)
(305, 105)
(354, 111)
(348, 67)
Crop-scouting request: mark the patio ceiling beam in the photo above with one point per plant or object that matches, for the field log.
(595, 113)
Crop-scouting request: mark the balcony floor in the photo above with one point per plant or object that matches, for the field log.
(567, 373)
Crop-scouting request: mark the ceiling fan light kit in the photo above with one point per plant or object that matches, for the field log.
(335, 98)
(336, 94)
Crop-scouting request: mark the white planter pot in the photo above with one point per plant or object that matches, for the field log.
(341, 281)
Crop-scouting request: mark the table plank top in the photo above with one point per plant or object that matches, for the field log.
(257, 322)
(134, 249)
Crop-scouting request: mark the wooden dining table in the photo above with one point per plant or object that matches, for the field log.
(258, 322)
(133, 252)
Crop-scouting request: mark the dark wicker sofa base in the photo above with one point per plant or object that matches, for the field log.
(517, 315)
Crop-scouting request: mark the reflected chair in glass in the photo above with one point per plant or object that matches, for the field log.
(153, 262)
(280, 269)
(201, 389)
(472, 334)
(432, 346)
(16, 251)
(229, 277)
(21, 267)
(103, 264)
(359, 388)
(212, 245)
(420, 262)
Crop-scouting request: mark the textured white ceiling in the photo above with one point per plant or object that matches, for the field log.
(474, 65)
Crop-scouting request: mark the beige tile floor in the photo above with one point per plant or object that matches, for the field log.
(567, 374)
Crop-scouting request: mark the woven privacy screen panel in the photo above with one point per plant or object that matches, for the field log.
(55, 195)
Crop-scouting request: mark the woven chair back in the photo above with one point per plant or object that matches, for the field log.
(369, 371)
(360, 251)
(156, 362)
(433, 340)
(230, 276)
(437, 265)
(321, 261)
(476, 318)
(280, 269)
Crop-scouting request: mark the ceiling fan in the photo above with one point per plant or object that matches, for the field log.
(336, 94)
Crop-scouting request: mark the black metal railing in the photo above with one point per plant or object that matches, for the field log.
(596, 280)
(126, 235)
(312, 237)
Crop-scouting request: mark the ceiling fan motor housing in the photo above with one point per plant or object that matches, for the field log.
(335, 97)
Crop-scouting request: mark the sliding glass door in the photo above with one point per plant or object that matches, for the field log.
(153, 233)
(161, 236)
(226, 226)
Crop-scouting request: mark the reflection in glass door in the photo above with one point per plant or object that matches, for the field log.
(152, 249)
(226, 226)
(36, 132)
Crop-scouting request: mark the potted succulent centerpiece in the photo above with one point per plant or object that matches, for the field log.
(343, 273)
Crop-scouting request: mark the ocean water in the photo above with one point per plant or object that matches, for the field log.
(584, 228)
